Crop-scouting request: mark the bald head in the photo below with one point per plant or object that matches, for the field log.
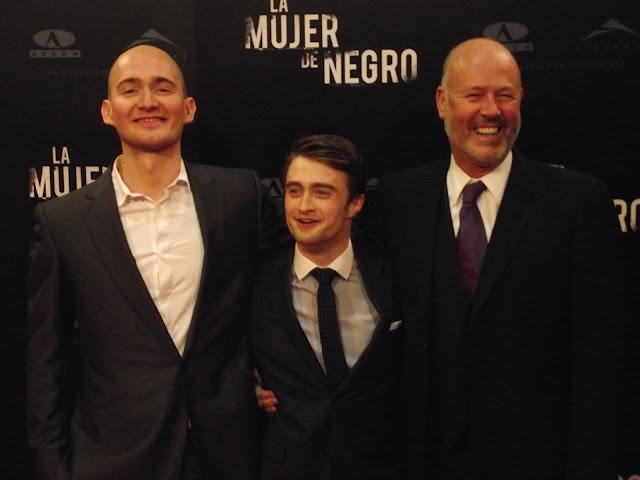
(476, 51)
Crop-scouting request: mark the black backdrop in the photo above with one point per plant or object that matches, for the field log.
(580, 64)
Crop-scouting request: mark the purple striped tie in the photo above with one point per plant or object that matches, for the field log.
(472, 238)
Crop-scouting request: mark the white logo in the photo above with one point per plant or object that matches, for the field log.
(508, 33)
(152, 34)
(54, 44)
(628, 218)
(61, 177)
(611, 26)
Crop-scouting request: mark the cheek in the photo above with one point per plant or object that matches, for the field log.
(176, 109)
(287, 202)
(119, 111)
(510, 110)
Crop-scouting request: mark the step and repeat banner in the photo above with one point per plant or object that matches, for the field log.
(264, 72)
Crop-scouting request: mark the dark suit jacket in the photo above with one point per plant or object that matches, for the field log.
(317, 434)
(108, 395)
(540, 334)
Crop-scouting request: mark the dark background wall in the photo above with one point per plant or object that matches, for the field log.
(580, 64)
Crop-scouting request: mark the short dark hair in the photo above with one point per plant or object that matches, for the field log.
(333, 151)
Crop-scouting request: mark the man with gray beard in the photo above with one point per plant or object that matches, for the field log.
(506, 277)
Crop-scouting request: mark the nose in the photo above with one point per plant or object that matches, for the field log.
(147, 99)
(306, 202)
(490, 107)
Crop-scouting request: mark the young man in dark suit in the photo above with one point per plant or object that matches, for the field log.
(323, 333)
(139, 284)
(508, 283)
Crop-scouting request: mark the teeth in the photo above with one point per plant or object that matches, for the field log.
(487, 130)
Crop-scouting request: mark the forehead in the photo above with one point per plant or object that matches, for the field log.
(483, 67)
(144, 62)
(305, 170)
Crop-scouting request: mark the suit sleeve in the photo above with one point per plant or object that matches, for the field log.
(597, 318)
(47, 358)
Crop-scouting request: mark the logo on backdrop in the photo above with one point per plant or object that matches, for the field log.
(611, 35)
(509, 34)
(60, 177)
(54, 43)
(628, 217)
(316, 34)
(608, 47)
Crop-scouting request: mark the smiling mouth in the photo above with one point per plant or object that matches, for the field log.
(306, 221)
(487, 130)
(149, 120)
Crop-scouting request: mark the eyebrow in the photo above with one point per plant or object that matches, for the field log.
(313, 185)
(138, 80)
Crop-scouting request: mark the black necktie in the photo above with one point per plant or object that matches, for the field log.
(332, 352)
(472, 238)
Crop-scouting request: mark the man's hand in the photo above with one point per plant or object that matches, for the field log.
(266, 399)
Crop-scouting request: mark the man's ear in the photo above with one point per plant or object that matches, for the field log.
(105, 110)
(189, 109)
(355, 206)
(441, 101)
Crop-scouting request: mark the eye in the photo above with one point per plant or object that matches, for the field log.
(323, 193)
(292, 191)
(473, 95)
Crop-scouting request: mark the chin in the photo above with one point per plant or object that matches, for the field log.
(489, 159)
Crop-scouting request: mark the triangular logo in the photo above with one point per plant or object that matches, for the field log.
(611, 26)
(152, 34)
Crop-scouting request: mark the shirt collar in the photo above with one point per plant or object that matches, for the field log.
(343, 263)
(123, 193)
(495, 180)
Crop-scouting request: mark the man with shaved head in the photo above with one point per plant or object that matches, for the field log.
(506, 276)
(138, 291)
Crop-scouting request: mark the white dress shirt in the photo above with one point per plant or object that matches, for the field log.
(357, 317)
(488, 201)
(165, 240)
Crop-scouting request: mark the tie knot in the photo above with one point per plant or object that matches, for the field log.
(472, 191)
(324, 275)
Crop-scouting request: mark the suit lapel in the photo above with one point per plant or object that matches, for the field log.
(208, 203)
(373, 270)
(290, 319)
(512, 217)
(377, 283)
(105, 228)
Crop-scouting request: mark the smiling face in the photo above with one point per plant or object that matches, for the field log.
(479, 101)
(147, 103)
(318, 210)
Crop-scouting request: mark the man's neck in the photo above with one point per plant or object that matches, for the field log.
(148, 173)
(323, 256)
